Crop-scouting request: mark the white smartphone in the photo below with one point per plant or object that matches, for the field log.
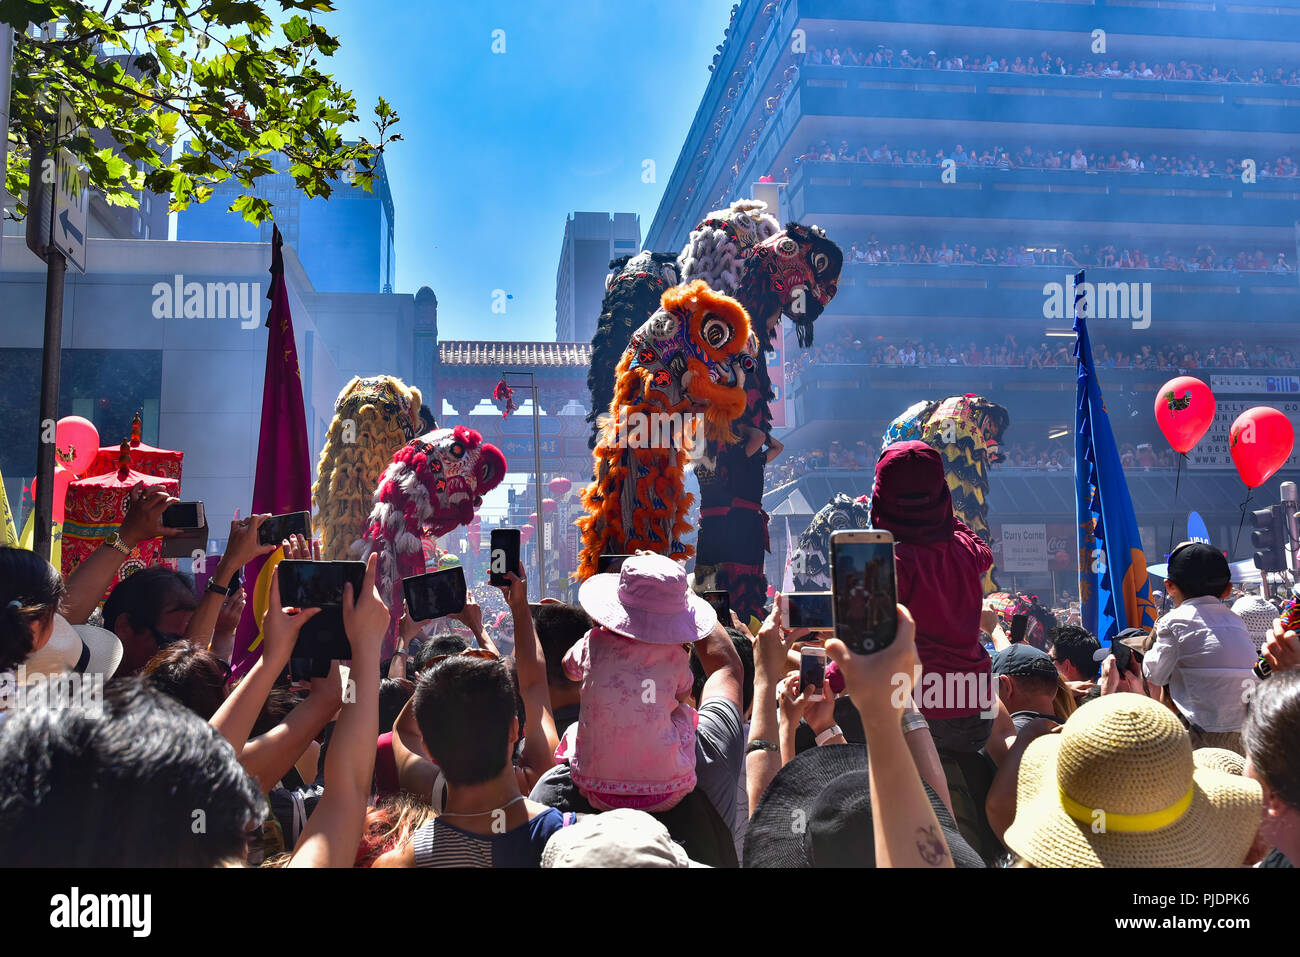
(865, 589)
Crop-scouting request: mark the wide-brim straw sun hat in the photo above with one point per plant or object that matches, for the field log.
(1118, 787)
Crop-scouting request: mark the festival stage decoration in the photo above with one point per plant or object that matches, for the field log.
(145, 459)
(433, 485)
(632, 294)
(506, 396)
(1184, 411)
(681, 368)
(96, 507)
(772, 273)
(811, 561)
(1261, 440)
(373, 418)
(967, 431)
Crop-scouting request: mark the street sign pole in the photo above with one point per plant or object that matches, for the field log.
(6, 68)
(50, 372)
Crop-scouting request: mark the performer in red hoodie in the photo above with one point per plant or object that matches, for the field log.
(939, 564)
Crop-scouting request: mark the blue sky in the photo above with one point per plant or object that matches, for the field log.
(499, 148)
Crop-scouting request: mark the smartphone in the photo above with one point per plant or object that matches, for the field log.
(184, 515)
(812, 671)
(807, 609)
(277, 528)
(865, 589)
(307, 584)
(504, 555)
(435, 595)
(609, 564)
(1123, 655)
(1019, 625)
(721, 602)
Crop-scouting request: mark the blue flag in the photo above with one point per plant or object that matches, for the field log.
(1113, 589)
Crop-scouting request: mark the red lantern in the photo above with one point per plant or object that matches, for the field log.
(1261, 441)
(526, 534)
(1184, 410)
(548, 506)
(559, 485)
(532, 517)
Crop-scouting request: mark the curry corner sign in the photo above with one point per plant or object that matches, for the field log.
(60, 203)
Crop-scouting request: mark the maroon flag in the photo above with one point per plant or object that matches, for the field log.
(283, 480)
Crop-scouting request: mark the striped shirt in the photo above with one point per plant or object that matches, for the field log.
(440, 844)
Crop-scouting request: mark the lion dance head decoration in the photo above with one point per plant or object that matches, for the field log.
(967, 431)
(795, 273)
(632, 294)
(373, 418)
(683, 368)
(433, 485)
(811, 560)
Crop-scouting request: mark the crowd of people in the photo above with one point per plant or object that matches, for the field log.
(435, 748)
(846, 349)
(1203, 258)
(1046, 63)
(1032, 156)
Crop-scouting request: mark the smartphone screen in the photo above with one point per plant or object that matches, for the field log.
(808, 609)
(504, 556)
(183, 515)
(609, 564)
(865, 590)
(277, 528)
(721, 602)
(306, 584)
(812, 672)
(436, 594)
(1019, 625)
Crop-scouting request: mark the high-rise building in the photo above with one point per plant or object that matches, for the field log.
(345, 242)
(591, 240)
(967, 184)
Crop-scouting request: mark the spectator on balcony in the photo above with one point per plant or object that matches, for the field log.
(1077, 159)
(1280, 265)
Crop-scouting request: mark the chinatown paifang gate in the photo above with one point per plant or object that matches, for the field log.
(467, 372)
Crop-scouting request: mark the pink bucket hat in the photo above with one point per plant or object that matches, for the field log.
(648, 600)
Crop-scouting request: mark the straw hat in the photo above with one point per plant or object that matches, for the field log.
(1118, 787)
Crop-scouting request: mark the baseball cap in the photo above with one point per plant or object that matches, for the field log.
(1197, 568)
(1023, 661)
(619, 838)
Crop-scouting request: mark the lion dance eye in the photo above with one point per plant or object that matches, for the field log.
(457, 450)
(820, 262)
(787, 247)
(717, 332)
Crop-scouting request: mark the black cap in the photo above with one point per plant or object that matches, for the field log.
(1198, 569)
(1023, 661)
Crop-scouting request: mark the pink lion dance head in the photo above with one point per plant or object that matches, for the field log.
(434, 484)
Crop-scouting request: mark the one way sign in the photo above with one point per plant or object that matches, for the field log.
(71, 195)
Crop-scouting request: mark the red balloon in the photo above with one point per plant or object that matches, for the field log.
(1184, 411)
(62, 479)
(1261, 441)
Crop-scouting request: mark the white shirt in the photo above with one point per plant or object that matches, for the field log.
(1204, 653)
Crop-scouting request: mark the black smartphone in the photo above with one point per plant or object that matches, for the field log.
(609, 564)
(436, 594)
(184, 515)
(277, 528)
(865, 589)
(504, 555)
(1123, 655)
(307, 584)
(721, 602)
(807, 609)
(1019, 625)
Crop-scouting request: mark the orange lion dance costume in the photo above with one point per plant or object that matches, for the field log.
(682, 373)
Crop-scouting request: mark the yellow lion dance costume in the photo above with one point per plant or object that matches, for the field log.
(373, 418)
(684, 367)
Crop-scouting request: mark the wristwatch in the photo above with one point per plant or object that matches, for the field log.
(758, 744)
(832, 732)
(212, 586)
(114, 541)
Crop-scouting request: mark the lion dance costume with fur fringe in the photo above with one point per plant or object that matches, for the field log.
(967, 431)
(632, 294)
(433, 485)
(683, 367)
(772, 272)
(373, 418)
